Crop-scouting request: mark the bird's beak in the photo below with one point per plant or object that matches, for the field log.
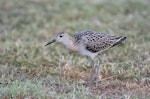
(50, 42)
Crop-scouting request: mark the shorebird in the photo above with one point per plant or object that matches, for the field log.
(88, 43)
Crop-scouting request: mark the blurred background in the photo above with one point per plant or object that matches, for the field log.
(28, 69)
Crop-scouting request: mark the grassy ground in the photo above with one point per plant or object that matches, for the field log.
(30, 70)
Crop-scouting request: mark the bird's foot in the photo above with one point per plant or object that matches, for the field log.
(92, 81)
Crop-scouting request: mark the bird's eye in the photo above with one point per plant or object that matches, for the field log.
(60, 36)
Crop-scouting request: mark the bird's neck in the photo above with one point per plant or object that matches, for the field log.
(69, 43)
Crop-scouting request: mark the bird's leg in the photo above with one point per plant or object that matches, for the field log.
(92, 72)
(97, 70)
(98, 66)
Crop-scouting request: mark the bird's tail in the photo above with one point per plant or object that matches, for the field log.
(121, 38)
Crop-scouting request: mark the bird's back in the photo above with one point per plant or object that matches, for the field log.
(96, 41)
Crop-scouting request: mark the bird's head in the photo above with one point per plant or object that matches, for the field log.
(60, 37)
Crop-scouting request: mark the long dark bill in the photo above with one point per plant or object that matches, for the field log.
(50, 42)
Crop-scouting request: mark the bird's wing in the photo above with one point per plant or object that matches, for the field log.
(97, 42)
(84, 36)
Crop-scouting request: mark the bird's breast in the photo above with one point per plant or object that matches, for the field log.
(70, 46)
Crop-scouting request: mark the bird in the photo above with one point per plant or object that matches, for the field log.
(88, 43)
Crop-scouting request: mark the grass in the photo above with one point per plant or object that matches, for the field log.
(30, 70)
